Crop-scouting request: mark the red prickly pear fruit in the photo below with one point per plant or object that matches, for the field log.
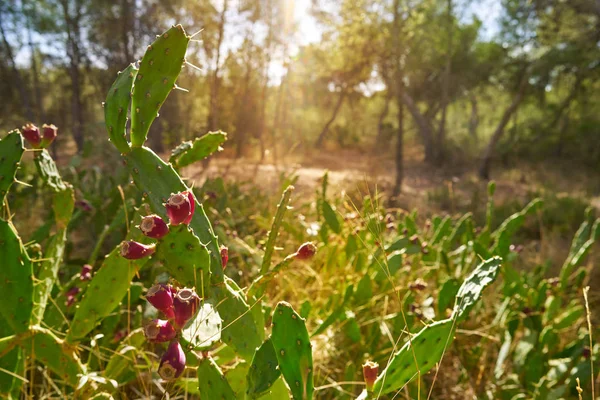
(172, 362)
(49, 133)
(154, 226)
(370, 371)
(86, 272)
(185, 304)
(161, 297)
(72, 295)
(224, 256)
(192, 201)
(306, 251)
(31, 133)
(84, 205)
(133, 250)
(179, 208)
(158, 331)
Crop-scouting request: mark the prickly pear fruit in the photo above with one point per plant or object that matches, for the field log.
(161, 297)
(306, 251)
(172, 362)
(86, 272)
(71, 296)
(370, 371)
(49, 133)
(185, 305)
(31, 133)
(224, 256)
(192, 201)
(133, 250)
(179, 208)
(154, 226)
(158, 331)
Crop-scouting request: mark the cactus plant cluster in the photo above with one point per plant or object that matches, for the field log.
(268, 348)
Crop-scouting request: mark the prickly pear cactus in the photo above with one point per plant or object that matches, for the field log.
(421, 353)
(264, 371)
(293, 351)
(470, 291)
(212, 382)
(16, 274)
(11, 151)
(155, 79)
(116, 107)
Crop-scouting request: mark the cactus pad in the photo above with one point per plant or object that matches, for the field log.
(11, 151)
(16, 277)
(293, 350)
(105, 291)
(212, 382)
(116, 107)
(155, 79)
(239, 329)
(189, 152)
(471, 289)
(186, 259)
(263, 371)
(204, 329)
(420, 354)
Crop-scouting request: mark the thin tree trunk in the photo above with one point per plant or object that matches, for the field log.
(213, 117)
(18, 79)
(74, 54)
(424, 127)
(474, 119)
(484, 169)
(34, 71)
(337, 108)
(125, 16)
(264, 95)
(380, 126)
(441, 137)
(399, 89)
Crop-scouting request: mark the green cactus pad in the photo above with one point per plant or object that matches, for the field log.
(48, 273)
(11, 151)
(124, 358)
(158, 180)
(155, 79)
(293, 350)
(239, 329)
(420, 354)
(505, 232)
(117, 105)
(186, 259)
(16, 275)
(264, 371)
(189, 152)
(59, 357)
(212, 383)
(49, 171)
(10, 360)
(471, 289)
(103, 294)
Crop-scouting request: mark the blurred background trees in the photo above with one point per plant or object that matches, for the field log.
(298, 77)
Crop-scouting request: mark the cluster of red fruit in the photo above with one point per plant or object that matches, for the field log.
(178, 306)
(38, 140)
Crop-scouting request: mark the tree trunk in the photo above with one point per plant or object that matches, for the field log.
(18, 79)
(34, 71)
(337, 108)
(213, 117)
(423, 126)
(474, 119)
(125, 26)
(484, 169)
(399, 89)
(386, 108)
(441, 137)
(73, 51)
